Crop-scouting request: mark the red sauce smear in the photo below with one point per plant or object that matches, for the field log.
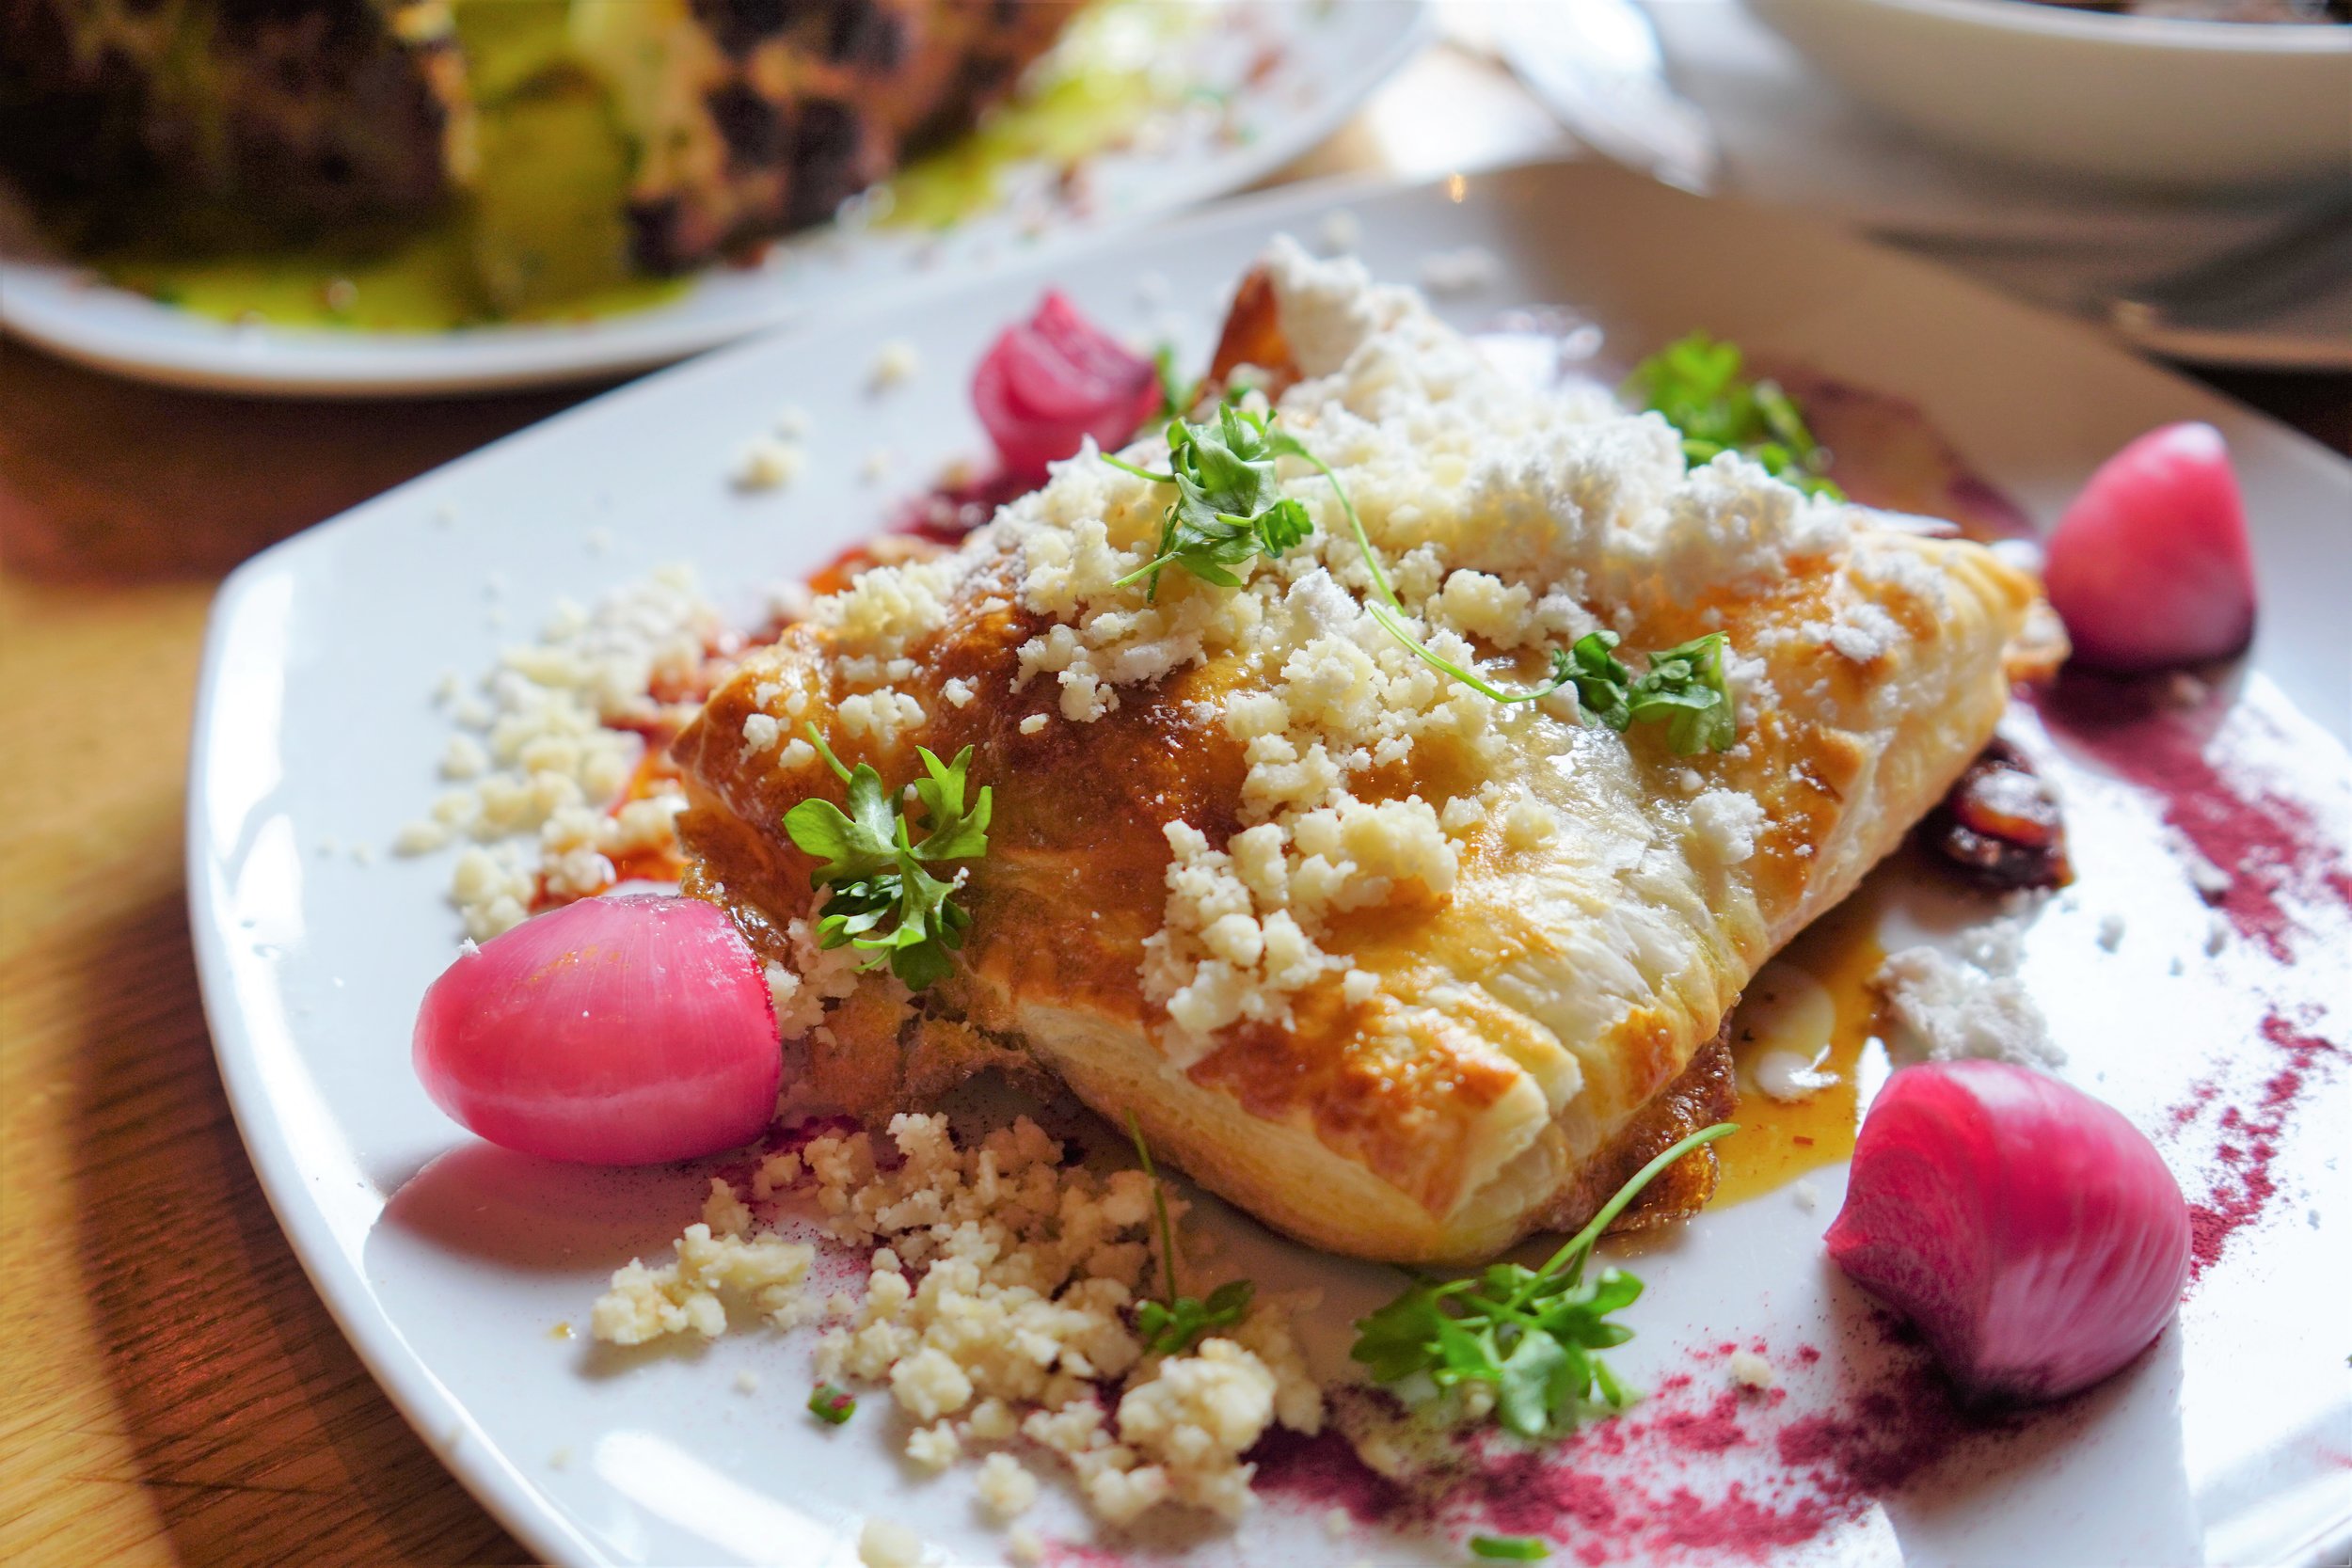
(1701, 1471)
(2249, 1128)
(2287, 875)
(2267, 840)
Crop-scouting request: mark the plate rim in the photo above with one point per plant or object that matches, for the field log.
(337, 366)
(438, 1417)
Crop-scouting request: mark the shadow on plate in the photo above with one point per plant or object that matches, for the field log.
(544, 1216)
(258, 1432)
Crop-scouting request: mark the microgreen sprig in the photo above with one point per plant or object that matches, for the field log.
(877, 870)
(1176, 395)
(1531, 1335)
(1684, 685)
(1229, 506)
(1174, 1324)
(1697, 384)
(1509, 1548)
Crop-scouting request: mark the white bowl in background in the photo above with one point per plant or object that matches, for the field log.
(2190, 105)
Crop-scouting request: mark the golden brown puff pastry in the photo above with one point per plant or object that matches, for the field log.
(1405, 972)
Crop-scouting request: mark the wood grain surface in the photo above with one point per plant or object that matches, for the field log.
(170, 1388)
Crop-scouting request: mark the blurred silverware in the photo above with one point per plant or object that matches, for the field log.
(1597, 67)
(2303, 259)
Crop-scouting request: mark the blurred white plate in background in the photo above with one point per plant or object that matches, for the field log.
(1789, 137)
(1276, 80)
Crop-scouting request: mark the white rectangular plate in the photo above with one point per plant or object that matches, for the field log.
(2228, 1444)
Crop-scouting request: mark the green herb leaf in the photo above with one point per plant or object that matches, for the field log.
(1603, 685)
(1684, 685)
(832, 1405)
(1175, 1324)
(877, 871)
(1697, 384)
(1176, 395)
(1531, 1335)
(1510, 1548)
(1228, 504)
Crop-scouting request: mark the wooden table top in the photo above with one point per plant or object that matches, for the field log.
(170, 1388)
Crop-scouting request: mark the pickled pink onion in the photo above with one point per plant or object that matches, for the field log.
(2032, 1233)
(1048, 382)
(622, 1031)
(2149, 566)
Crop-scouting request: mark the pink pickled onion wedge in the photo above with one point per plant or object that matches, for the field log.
(2029, 1231)
(1050, 382)
(2150, 567)
(624, 1031)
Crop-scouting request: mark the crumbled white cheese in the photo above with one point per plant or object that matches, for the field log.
(934, 1447)
(1033, 723)
(1339, 232)
(1946, 1008)
(769, 464)
(895, 362)
(1725, 823)
(883, 611)
(1006, 1487)
(2110, 931)
(416, 839)
(1025, 1546)
(464, 758)
(747, 1382)
(1806, 1195)
(1239, 924)
(691, 1294)
(1749, 1370)
(817, 975)
(885, 1543)
(1528, 823)
(557, 744)
(760, 734)
(996, 1302)
(880, 715)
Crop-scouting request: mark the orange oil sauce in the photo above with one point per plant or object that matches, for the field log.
(1812, 1000)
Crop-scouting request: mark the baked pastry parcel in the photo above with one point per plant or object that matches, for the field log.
(1404, 971)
